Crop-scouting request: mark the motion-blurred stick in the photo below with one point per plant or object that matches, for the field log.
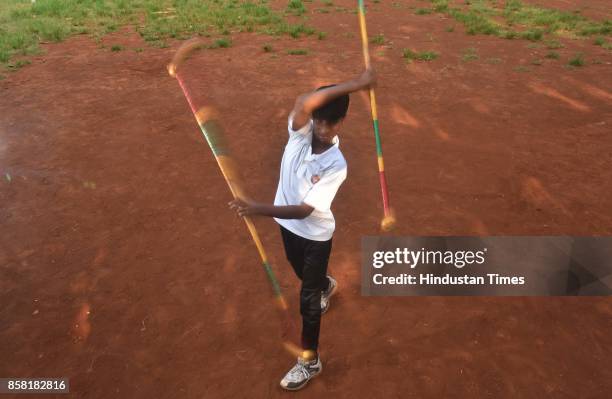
(388, 221)
(214, 136)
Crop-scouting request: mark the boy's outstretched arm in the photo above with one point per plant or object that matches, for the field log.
(251, 208)
(307, 103)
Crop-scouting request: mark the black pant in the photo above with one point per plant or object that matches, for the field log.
(309, 261)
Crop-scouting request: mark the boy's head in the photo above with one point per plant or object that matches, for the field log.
(328, 118)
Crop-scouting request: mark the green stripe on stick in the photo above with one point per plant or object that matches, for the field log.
(377, 136)
(212, 133)
(272, 278)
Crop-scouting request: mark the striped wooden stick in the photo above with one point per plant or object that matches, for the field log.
(388, 220)
(214, 136)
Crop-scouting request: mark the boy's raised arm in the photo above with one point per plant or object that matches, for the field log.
(307, 103)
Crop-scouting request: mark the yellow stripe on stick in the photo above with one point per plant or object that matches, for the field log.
(373, 105)
(229, 169)
(205, 114)
(364, 39)
(258, 244)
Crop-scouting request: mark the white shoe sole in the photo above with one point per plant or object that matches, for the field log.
(331, 294)
(334, 290)
(305, 383)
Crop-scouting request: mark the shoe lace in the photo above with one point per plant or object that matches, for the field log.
(299, 371)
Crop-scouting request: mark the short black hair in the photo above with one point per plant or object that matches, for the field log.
(333, 111)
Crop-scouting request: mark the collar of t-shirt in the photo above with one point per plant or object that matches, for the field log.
(310, 156)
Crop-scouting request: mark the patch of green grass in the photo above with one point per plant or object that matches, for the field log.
(553, 55)
(296, 31)
(554, 44)
(607, 46)
(450, 28)
(476, 23)
(599, 41)
(440, 5)
(518, 13)
(378, 39)
(522, 68)
(411, 55)
(469, 54)
(423, 11)
(492, 17)
(5, 56)
(116, 47)
(183, 18)
(536, 61)
(267, 47)
(532, 34)
(24, 25)
(296, 7)
(221, 43)
(297, 51)
(596, 28)
(18, 64)
(427, 56)
(327, 3)
(321, 35)
(552, 20)
(577, 60)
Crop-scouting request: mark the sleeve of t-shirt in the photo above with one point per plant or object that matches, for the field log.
(303, 131)
(323, 192)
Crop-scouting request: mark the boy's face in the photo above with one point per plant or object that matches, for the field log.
(325, 131)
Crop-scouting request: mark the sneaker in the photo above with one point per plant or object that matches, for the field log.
(327, 294)
(301, 373)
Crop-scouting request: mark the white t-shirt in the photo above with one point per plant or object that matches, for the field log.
(312, 179)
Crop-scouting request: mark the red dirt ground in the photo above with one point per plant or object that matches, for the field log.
(122, 268)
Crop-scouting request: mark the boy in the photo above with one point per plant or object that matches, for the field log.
(312, 170)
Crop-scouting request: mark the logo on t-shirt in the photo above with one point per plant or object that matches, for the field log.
(314, 179)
